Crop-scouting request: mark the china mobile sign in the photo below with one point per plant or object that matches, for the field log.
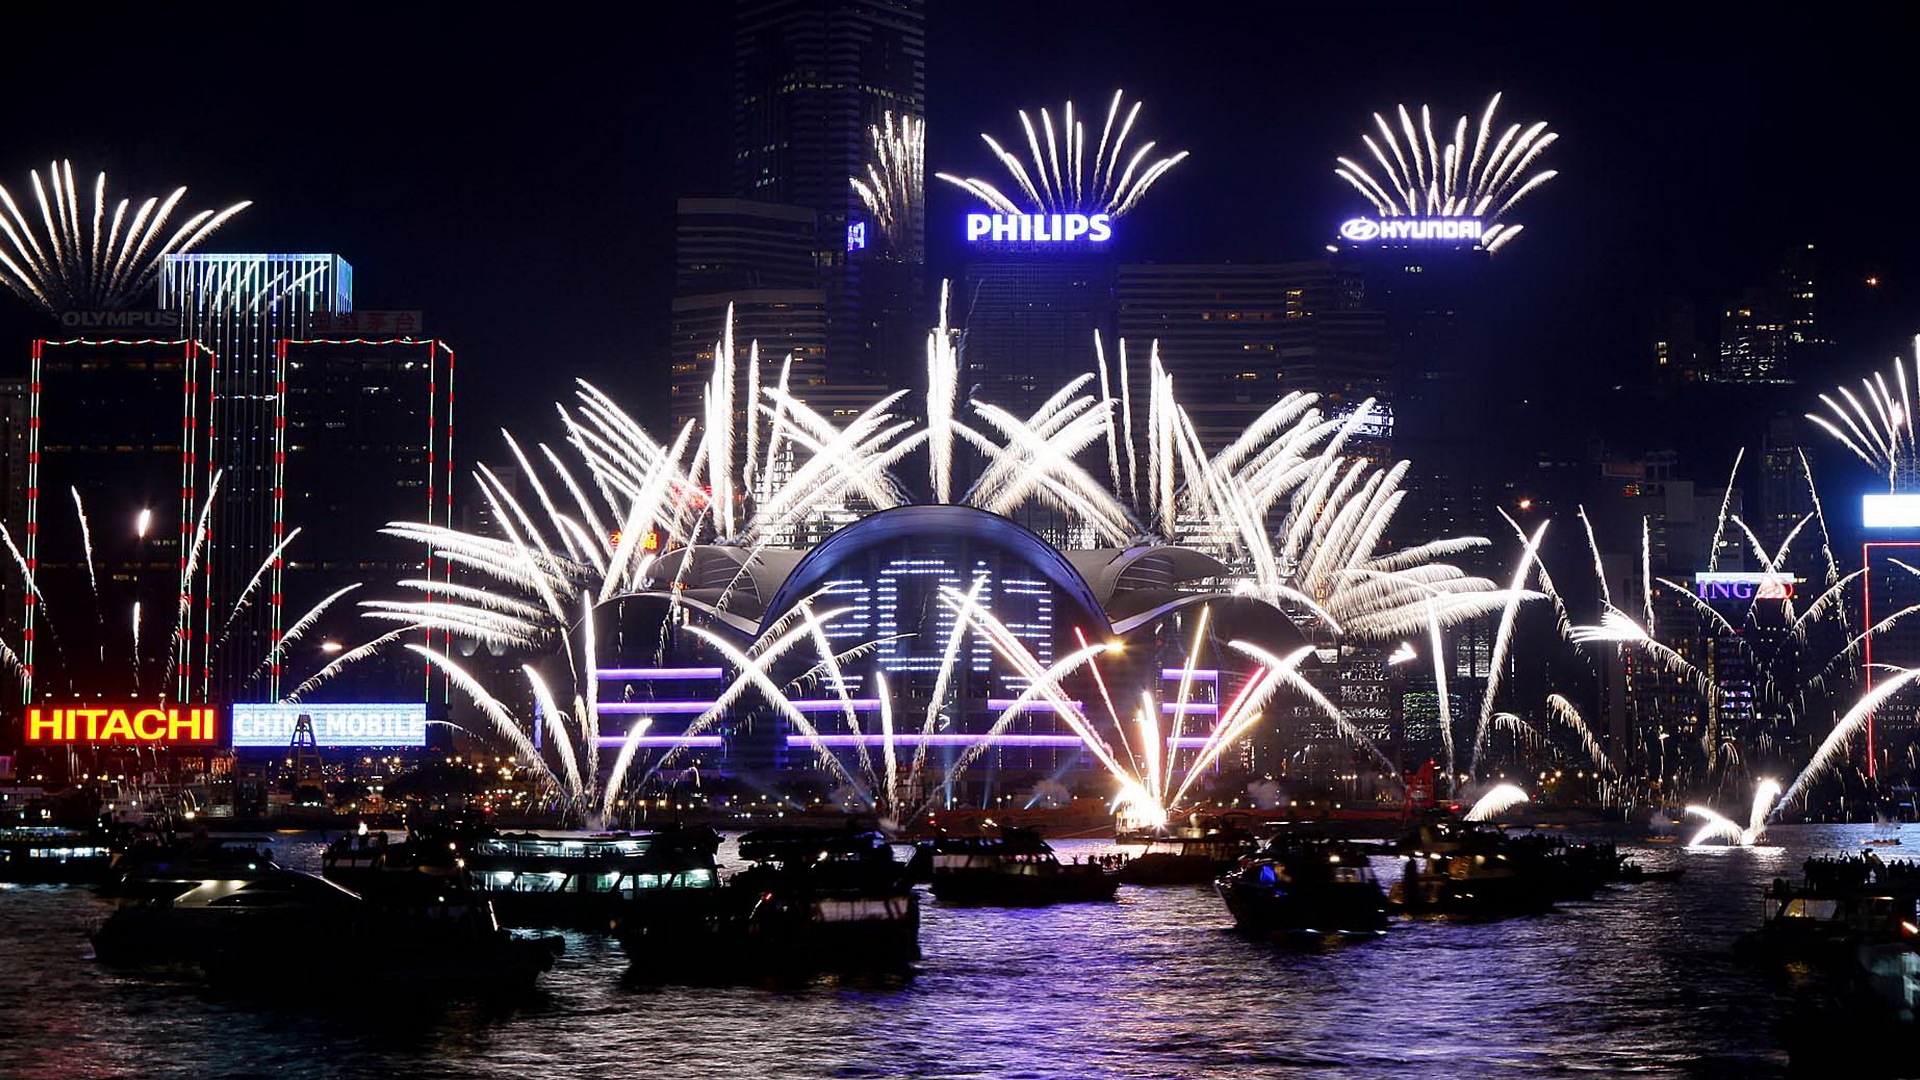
(1039, 228)
(130, 724)
(361, 724)
(1732, 585)
(1404, 230)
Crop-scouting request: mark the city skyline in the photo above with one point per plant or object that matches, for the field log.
(1665, 187)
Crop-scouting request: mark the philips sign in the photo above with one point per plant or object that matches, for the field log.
(1404, 230)
(1039, 228)
(271, 726)
(1733, 585)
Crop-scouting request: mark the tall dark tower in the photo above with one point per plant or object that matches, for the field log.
(811, 78)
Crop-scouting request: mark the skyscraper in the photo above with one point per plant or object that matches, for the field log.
(240, 307)
(811, 79)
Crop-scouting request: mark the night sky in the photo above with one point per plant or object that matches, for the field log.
(512, 174)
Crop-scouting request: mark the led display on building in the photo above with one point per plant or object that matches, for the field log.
(261, 726)
(1402, 230)
(1743, 585)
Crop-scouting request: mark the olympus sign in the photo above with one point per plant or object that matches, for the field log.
(120, 320)
(1393, 230)
(1039, 228)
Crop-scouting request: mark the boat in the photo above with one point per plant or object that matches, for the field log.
(1840, 906)
(1631, 872)
(1305, 885)
(585, 882)
(155, 865)
(1013, 868)
(1461, 869)
(50, 855)
(296, 932)
(813, 899)
(1194, 854)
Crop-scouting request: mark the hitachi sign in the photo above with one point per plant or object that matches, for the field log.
(1039, 228)
(123, 723)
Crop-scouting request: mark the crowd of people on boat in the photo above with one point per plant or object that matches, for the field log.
(1842, 871)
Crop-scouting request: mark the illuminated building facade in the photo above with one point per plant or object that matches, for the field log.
(116, 476)
(884, 577)
(240, 307)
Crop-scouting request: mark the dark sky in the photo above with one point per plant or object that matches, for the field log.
(512, 173)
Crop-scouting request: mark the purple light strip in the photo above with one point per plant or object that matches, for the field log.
(673, 708)
(1037, 705)
(1194, 708)
(712, 742)
(1200, 674)
(1057, 742)
(661, 673)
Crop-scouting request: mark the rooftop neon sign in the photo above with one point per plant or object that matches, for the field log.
(1401, 230)
(1039, 228)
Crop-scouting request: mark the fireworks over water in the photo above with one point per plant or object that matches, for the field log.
(69, 256)
(1474, 174)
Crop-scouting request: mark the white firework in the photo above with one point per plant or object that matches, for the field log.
(1474, 174)
(1877, 425)
(69, 257)
(1058, 177)
(894, 188)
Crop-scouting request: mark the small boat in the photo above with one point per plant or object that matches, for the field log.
(1309, 886)
(1839, 907)
(1461, 869)
(813, 899)
(46, 855)
(155, 866)
(1883, 841)
(1014, 868)
(1191, 855)
(1632, 872)
(290, 931)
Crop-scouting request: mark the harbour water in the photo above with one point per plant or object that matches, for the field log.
(1640, 980)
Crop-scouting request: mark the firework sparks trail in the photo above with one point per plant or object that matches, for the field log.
(1503, 638)
(893, 190)
(86, 543)
(1499, 800)
(1725, 830)
(1048, 184)
(1451, 180)
(1879, 431)
(66, 265)
(1726, 503)
(1834, 745)
(1562, 710)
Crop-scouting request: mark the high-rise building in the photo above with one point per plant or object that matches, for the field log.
(117, 478)
(757, 260)
(811, 79)
(1772, 330)
(1236, 337)
(15, 407)
(240, 307)
(1678, 355)
(1029, 319)
(369, 442)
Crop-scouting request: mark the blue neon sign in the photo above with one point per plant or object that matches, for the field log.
(1039, 228)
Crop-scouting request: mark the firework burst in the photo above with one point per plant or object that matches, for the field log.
(1475, 174)
(1877, 424)
(61, 260)
(894, 189)
(1057, 177)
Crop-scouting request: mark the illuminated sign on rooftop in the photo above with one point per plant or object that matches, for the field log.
(130, 724)
(1405, 230)
(1892, 511)
(1743, 585)
(359, 724)
(1039, 228)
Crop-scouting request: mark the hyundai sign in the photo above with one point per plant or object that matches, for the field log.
(1039, 228)
(271, 726)
(1406, 230)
